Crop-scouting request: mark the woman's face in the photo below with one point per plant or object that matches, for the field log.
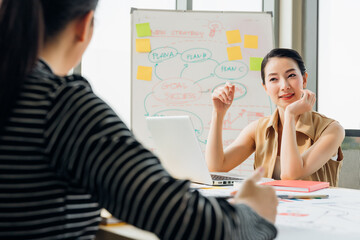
(283, 81)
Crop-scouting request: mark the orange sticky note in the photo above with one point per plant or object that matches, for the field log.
(234, 53)
(143, 45)
(233, 36)
(144, 73)
(251, 41)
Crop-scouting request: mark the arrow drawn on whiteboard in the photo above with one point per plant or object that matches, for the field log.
(185, 66)
(155, 72)
(201, 140)
(211, 75)
(146, 111)
(210, 59)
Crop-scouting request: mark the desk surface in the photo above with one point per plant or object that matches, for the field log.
(337, 217)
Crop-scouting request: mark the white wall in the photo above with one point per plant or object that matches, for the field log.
(106, 63)
(290, 24)
(285, 24)
(228, 5)
(339, 52)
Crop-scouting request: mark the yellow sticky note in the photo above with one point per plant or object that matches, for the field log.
(143, 45)
(255, 63)
(233, 36)
(234, 53)
(251, 41)
(144, 73)
(143, 29)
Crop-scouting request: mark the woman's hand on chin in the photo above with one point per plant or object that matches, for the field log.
(304, 104)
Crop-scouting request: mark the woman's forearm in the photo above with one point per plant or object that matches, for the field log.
(214, 153)
(290, 157)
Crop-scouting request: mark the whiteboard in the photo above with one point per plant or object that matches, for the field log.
(188, 59)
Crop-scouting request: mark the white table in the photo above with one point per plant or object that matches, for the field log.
(337, 217)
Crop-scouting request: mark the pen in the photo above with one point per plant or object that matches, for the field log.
(303, 196)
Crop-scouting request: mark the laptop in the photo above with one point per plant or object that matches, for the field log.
(179, 150)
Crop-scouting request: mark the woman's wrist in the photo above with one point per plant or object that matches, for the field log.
(289, 116)
(218, 116)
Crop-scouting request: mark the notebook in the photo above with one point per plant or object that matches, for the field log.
(297, 185)
(179, 151)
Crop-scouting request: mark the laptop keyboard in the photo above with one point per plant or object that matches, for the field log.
(220, 177)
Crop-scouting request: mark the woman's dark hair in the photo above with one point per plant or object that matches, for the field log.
(58, 13)
(24, 26)
(282, 53)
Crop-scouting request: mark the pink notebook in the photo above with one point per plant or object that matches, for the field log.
(297, 185)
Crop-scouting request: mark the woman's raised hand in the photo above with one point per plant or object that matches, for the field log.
(223, 97)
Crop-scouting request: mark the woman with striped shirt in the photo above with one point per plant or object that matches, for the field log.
(64, 154)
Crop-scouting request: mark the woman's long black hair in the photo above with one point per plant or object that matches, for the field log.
(24, 26)
(21, 28)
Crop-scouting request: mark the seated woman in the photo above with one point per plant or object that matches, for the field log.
(295, 142)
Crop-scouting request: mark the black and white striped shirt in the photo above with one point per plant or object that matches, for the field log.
(64, 155)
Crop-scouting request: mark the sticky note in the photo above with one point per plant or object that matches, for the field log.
(143, 45)
(251, 41)
(233, 36)
(255, 63)
(234, 53)
(144, 73)
(143, 29)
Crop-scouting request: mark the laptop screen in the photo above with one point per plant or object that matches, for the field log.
(178, 148)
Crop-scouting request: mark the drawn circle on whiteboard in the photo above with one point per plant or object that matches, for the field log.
(162, 54)
(231, 70)
(196, 55)
(177, 91)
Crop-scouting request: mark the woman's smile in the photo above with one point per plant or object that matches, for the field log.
(287, 96)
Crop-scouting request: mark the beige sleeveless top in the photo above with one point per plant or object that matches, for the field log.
(309, 128)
